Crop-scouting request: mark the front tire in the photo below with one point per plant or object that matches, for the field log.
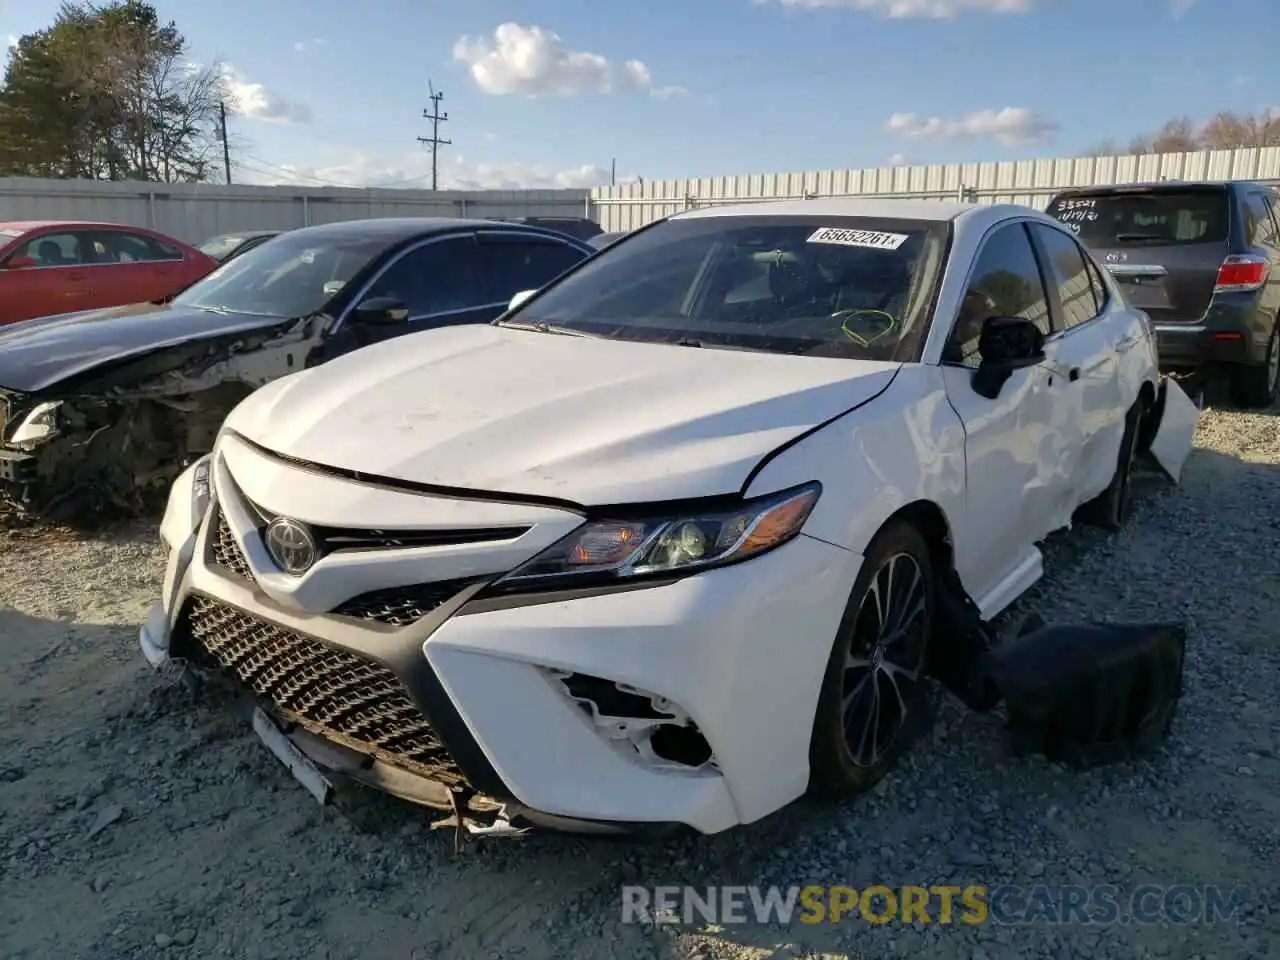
(1257, 387)
(873, 698)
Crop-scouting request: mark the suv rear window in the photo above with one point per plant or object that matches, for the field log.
(1158, 218)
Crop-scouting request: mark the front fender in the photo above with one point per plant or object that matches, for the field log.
(904, 446)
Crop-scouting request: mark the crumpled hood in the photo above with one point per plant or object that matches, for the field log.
(40, 353)
(594, 422)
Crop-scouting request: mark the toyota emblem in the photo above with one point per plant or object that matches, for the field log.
(291, 545)
(1117, 257)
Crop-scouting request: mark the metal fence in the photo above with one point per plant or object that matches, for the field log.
(195, 212)
(1028, 182)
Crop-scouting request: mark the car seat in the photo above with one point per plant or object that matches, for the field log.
(49, 254)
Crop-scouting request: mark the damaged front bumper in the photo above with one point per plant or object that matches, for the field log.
(514, 714)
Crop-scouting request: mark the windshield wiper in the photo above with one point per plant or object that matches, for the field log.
(1140, 236)
(687, 342)
(541, 326)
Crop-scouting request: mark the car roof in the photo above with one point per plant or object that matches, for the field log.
(871, 207)
(28, 225)
(1156, 185)
(393, 229)
(249, 234)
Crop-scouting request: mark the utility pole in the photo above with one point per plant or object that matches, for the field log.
(436, 118)
(613, 171)
(226, 149)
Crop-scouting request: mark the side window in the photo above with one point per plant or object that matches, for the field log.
(119, 246)
(1069, 273)
(1100, 291)
(1269, 233)
(56, 250)
(1260, 229)
(1005, 282)
(434, 278)
(513, 265)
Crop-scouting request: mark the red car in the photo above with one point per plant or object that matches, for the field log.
(50, 267)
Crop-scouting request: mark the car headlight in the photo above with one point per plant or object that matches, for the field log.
(38, 425)
(626, 549)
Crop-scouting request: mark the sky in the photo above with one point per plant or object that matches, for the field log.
(571, 92)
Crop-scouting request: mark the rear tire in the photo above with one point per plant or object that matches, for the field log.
(1257, 387)
(1111, 508)
(874, 697)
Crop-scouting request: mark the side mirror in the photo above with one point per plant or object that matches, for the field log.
(520, 298)
(380, 312)
(1006, 344)
(20, 263)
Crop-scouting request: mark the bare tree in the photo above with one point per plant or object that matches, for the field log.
(1103, 148)
(1178, 135)
(1228, 130)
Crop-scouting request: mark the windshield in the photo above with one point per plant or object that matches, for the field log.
(292, 276)
(1158, 218)
(221, 247)
(813, 286)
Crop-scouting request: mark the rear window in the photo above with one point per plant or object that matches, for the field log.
(1162, 218)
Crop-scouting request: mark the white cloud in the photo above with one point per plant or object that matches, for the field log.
(1011, 126)
(898, 160)
(11, 42)
(256, 102)
(532, 60)
(912, 9)
(311, 44)
(1179, 7)
(412, 171)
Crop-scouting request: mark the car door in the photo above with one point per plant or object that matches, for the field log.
(512, 261)
(59, 282)
(1020, 446)
(1088, 353)
(436, 280)
(133, 268)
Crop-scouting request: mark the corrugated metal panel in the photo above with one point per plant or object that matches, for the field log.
(1028, 182)
(195, 212)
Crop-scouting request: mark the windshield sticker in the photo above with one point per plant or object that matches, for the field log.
(858, 238)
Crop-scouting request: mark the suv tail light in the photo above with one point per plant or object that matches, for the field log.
(1239, 274)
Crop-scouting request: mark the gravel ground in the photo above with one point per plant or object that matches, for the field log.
(138, 820)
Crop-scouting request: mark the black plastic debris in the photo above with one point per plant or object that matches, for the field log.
(1086, 694)
(963, 641)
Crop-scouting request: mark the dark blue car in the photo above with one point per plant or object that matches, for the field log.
(97, 407)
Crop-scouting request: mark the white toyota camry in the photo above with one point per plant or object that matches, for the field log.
(665, 544)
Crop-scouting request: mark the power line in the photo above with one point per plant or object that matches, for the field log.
(436, 118)
(293, 172)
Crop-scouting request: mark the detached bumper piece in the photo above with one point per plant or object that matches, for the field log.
(1087, 694)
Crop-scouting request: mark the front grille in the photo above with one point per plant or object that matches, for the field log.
(395, 606)
(226, 552)
(334, 693)
(401, 606)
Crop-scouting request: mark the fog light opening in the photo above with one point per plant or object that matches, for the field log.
(683, 745)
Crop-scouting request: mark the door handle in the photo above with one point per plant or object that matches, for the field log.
(1127, 344)
(1073, 374)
